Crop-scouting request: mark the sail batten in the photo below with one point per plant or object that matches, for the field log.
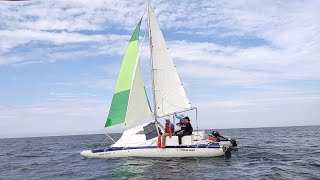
(169, 94)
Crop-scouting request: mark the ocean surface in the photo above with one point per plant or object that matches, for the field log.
(264, 153)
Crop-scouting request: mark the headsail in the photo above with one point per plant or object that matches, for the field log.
(169, 93)
(129, 102)
(138, 105)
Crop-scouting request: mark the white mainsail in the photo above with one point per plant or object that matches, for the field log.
(169, 94)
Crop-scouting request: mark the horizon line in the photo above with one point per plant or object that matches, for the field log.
(71, 134)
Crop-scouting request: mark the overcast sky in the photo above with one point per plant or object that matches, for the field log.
(243, 63)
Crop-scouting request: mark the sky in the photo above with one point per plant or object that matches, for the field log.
(243, 63)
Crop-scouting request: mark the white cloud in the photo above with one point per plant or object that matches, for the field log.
(253, 65)
(73, 15)
(99, 84)
(52, 46)
(260, 109)
(13, 38)
(58, 114)
(290, 29)
(10, 60)
(61, 23)
(232, 44)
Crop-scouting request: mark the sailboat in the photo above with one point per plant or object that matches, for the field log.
(130, 106)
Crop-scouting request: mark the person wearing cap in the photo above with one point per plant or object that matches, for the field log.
(187, 131)
(181, 122)
(168, 131)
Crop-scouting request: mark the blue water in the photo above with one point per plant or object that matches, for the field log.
(264, 153)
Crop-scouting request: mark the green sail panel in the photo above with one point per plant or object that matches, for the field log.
(119, 104)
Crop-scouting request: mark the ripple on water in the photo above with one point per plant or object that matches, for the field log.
(258, 157)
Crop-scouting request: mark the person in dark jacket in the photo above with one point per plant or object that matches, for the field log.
(187, 131)
(218, 136)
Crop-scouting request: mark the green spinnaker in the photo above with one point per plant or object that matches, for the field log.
(121, 94)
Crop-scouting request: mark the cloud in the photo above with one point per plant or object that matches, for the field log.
(13, 38)
(69, 15)
(290, 35)
(288, 29)
(99, 84)
(56, 114)
(241, 60)
(253, 65)
(51, 46)
(39, 25)
(260, 109)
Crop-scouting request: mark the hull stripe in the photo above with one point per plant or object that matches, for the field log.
(153, 147)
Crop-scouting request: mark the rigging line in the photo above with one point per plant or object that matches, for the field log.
(143, 13)
(136, 66)
(162, 97)
(109, 136)
(197, 120)
(173, 104)
(140, 47)
(103, 144)
(166, 93)
(184, 110)
(138, 57)
(153, 72)
(165, 68)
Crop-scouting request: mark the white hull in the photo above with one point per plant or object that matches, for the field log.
(134, 144)
(156, 152)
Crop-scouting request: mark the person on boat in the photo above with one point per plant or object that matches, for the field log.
(168, 131)
(187, 131)
(181, 122)
(217, 136)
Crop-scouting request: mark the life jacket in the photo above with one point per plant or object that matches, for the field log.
(159, 141)
(212, 138)
(169, 128)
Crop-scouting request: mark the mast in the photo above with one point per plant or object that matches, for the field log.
(151, 62)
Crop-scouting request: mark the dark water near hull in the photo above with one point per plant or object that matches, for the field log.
(264, 153)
